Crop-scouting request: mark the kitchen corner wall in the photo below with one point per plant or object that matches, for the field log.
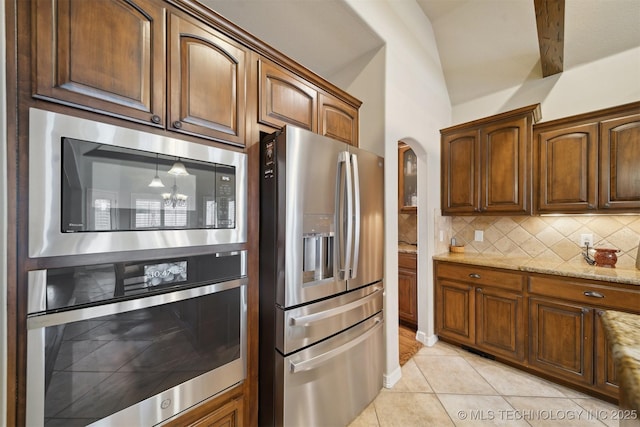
(553, 238)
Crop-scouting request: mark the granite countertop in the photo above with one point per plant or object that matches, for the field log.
(569, 269)
(407, 248)
(623, 332)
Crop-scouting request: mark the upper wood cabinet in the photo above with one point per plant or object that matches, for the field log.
(102, 55)
(567, 166)
(486, 165)
(588, 163)
(111, 57)
(286, 98)
(337, 119)
(407, 179)
(619, 161)
(206, 82)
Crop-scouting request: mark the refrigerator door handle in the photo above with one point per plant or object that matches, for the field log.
(356, 217)
(314, 362)
(345, 195)
(322, 315)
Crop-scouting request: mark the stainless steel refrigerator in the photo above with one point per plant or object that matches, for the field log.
(321, 279)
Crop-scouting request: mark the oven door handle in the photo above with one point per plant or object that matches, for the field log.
(314, 362)
(332, 312)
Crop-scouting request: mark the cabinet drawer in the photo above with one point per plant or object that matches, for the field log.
(587, 293)
(408, 261)
(481, 276)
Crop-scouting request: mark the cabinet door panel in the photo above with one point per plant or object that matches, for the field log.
(504, 167)
(286, 99)
(338, 120)
(606, 377)
(460, 183)
(207, 83)
(562, 340)
(102, 55)
(500, 323)
(455, 311)
(407, 289)
(567, 169)
(619, 160)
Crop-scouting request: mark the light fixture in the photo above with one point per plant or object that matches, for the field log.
(156, 181)
(178, 169)
(174, 199)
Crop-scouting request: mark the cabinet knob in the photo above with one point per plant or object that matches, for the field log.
(177, 124)
(593, 294)
(585, 310)
(478, 289)
(607, 205)
(600, 312)
(474, 275)
(156, 119)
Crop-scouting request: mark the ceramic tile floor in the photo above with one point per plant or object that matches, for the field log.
(444, 385)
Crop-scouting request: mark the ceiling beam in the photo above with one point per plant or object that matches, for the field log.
(550, 23)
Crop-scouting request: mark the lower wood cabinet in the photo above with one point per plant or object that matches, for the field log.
(562, 339)
(552, 326)
(219, 412)
(408, 289)
(482, 308)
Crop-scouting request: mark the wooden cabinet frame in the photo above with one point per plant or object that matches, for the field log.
(555, 321)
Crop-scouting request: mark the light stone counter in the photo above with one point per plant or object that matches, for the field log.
(623, 332)
(579, 269)
(407, 248)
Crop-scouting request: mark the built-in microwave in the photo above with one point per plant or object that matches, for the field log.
(96, 187)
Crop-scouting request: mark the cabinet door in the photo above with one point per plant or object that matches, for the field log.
(455, 311)
(100, 55)
(206, 82)
(606, 377)
(619, 160)
(504, 167)
(286, 99)
(460, 172)
(229, 415)
(567, 169)
(407, 289)
(407, 179)
(338, 120)
(500, 325)
(561, 340)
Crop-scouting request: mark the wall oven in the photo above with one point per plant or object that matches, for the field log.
(95, 187)
(134, 343)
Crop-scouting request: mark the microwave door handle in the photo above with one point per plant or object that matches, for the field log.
(355, 217)
(314, 362)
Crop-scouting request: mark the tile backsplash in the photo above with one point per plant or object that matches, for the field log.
(408, 228)
(554, 238)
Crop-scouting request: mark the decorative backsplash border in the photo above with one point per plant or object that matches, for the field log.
(553, 238)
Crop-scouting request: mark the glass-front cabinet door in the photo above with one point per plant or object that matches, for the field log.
(407, 178)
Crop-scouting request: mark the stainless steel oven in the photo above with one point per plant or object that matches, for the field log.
(95, 187)
(134, 343)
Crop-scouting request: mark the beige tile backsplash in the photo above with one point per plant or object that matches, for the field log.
(553, 238)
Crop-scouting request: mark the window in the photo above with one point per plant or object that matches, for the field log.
(147, 213)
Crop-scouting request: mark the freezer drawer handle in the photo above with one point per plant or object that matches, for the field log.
(315, 317)
(316, 361)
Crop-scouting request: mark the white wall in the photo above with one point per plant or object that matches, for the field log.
(3, 223)
(600, 84)
(414, 106)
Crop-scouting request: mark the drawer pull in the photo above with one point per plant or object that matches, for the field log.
(474, 275)
(593, 294)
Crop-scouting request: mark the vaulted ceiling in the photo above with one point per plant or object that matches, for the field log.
(485, 46)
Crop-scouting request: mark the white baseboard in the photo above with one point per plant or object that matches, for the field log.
(429, 341)
(391, 379)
